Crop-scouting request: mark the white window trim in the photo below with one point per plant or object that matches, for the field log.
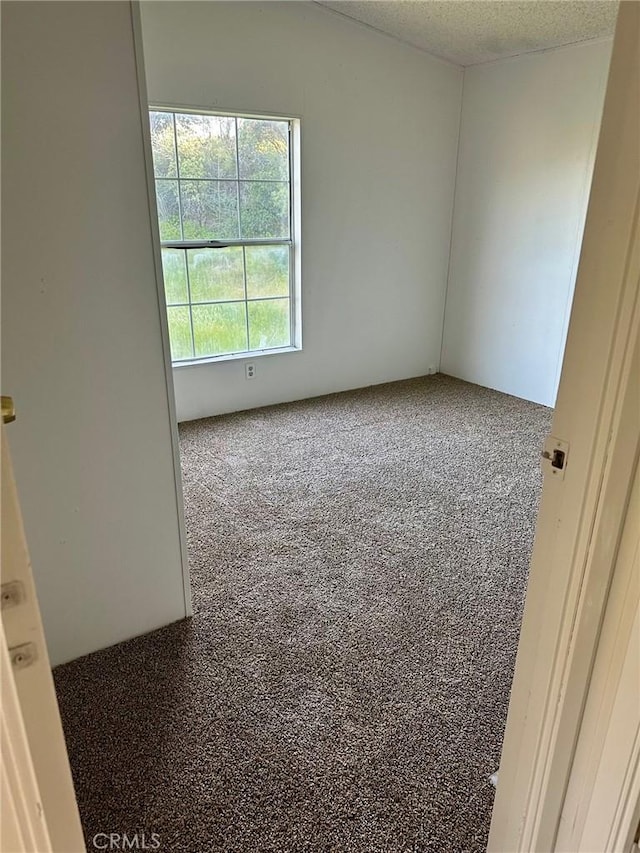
(247, 355)
(295, 268)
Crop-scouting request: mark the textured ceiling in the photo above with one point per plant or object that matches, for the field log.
(470, 31)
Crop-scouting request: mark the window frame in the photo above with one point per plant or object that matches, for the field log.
(294, 241)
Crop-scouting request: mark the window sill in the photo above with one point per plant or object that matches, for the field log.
(234, 356)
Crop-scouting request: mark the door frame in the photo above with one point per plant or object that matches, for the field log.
(581, 514)
(24, 825)
(136, 25)
(36, 777)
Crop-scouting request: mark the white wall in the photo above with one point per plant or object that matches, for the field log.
(379, 138)
(81, 342)
(528, 135)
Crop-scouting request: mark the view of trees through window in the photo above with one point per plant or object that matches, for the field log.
(227, 179)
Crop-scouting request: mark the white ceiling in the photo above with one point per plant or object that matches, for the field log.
(471, 31)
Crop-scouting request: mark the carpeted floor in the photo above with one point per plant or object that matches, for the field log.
(359, 565)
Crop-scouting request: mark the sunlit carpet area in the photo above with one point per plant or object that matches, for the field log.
(359, 564)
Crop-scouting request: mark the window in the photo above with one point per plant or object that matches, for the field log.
(227, 228)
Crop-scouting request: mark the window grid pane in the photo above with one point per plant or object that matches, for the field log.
(216, 275)
(236, 309)
(180, 332)
(186, 266)
(267, 270)
(163, 144)
(268, 323)
(244, 266)
(169, 218)
(219, 329)
(206, 146)
(238, 197)
(266, 319)
(264, 146)
(264, 209)
(175, 142)
(209, 209)
(175, 277)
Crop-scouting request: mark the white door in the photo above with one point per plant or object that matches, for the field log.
(585, 498)
(39, 810)
(600, 811)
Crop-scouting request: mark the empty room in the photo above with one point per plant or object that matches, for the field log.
(285, 356)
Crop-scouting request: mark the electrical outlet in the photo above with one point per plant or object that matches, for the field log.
(250, 371)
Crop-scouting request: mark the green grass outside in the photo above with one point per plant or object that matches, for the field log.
(218, 276)
(221, 328)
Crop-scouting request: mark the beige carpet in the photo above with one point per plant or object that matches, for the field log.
(359, 565)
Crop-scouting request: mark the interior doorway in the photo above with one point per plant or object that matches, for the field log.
(169, 662)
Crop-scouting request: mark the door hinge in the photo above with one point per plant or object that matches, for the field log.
(554, 455)
(11, 594)
(23, 656)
